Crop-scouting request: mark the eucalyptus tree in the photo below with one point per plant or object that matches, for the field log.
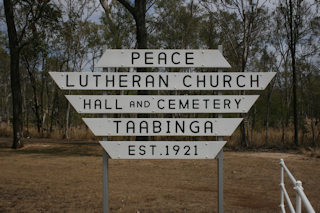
(94, 42)
(21, 16)
(74, 41)
(175, 24)
(241, 26)
(278, 42)
(34, 57)
(294, 21)
(119, 27)
(4, 80)
(138, 10)
(266, 110)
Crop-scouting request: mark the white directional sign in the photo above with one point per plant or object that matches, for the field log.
(162, 104)
(162, 126)
(162, 149)
(162, 58)
(162, 80)
(132, 80)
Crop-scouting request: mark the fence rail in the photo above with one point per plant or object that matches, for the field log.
(300, 195)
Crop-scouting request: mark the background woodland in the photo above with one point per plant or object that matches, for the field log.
(69, 36)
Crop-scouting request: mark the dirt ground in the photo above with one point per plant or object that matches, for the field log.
(62, 176)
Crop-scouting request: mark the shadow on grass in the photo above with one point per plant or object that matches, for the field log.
(64, 152)
(53, 148)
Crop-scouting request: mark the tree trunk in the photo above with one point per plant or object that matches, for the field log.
(141, 32)
(292, 47)
(140, 18)
(253, 123)
(243, 136)
(41, 110)
(242, 132)
(270, 90)
(54, 104)
(7, 105)
(35, 97)
(313, 133)
(267, 123)
(295, 107)
(247, 129)
(15, 75)
(139, 14)
(66, 130)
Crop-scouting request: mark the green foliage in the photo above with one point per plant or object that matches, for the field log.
(175, 24)
(118, 28)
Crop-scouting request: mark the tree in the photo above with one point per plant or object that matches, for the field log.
(4, 79)
(296, 17)
(175, 24)
(32, 12)
(14, 46)
(241, 26)
(119, 28)
(138, 12)
(34, 56)
(73, 47)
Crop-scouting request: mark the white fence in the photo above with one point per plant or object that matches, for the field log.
(300, 195)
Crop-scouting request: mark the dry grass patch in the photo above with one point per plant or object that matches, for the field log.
(65, 176)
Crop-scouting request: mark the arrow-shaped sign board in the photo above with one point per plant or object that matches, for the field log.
(162, 126)
(162, 58)
(162, 104)
(162, 149)
(162, 80)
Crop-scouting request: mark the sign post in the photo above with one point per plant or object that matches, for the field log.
(198, 81)
(105, 180)
(105, 172)
(220, 163)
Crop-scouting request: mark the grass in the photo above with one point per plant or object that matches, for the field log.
(5, 130)
(49, 175)
(75, 133)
